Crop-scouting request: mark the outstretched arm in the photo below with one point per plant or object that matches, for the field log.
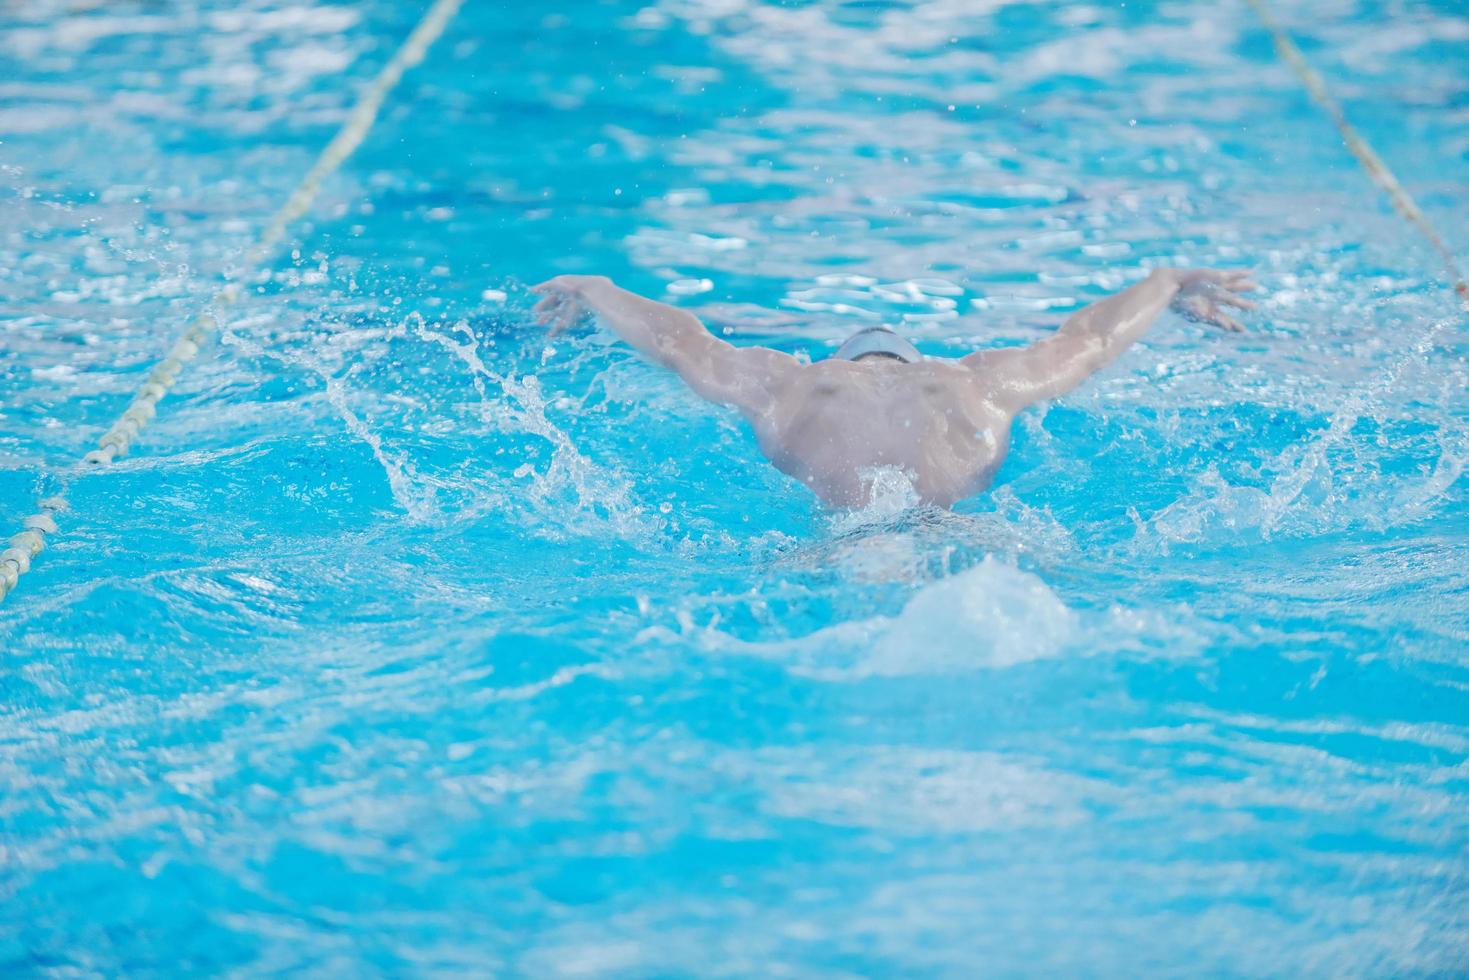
(745, 377)
(1093, 337)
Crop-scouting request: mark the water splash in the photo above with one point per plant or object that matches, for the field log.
(521, 406)
(1302, 495)
(989, 616)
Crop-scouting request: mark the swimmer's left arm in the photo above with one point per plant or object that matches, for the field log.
(745, 377)
(1095, 335)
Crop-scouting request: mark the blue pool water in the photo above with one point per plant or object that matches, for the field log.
(408, 642)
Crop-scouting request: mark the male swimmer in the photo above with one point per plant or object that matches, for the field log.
(878, 402)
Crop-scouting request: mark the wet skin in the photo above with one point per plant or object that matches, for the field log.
(945, 423)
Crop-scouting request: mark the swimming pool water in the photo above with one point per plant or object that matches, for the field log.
(408, 641)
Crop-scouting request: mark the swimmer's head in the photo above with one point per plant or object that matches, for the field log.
(877, 342)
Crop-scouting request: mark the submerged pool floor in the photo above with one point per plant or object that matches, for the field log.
(408, 640)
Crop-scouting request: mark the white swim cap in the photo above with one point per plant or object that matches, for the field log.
(877, 341)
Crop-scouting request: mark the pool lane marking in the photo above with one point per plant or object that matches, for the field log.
(15, 559)
(1376, 169)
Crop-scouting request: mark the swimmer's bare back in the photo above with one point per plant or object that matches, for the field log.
(945, 423)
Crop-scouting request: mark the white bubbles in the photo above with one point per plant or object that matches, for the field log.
(689, 287)
(991, 615)
(889, 493)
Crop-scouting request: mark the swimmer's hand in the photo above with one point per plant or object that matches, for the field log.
(1203, 294)
(564, 300)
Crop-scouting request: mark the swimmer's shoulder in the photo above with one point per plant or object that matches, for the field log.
(977, 379)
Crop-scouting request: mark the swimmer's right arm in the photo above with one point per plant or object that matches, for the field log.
(745, 377)
(1094, 336)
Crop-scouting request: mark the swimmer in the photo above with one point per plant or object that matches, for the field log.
(877, 402)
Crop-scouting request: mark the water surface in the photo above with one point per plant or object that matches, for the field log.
(407, 641)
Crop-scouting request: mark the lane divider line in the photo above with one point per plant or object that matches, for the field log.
(22, 548)
(1376, 169)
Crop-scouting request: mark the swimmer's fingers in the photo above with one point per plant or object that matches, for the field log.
(558, 316)
(558, 306)
(562, 314)
(561, 304)
(1233, 280)
(550, 286)
(1202, 310)
(548, 311)
(542, 309)
(1232, 294)
(552, 302)
(566, 318)
(1212, 311)
(1194, 308)
(1215, 314)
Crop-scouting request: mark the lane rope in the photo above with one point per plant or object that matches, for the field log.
(22, 548)
(1376, 169)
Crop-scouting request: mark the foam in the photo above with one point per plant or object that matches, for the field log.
(989, 616)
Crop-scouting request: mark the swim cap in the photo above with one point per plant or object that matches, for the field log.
(877, 341)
